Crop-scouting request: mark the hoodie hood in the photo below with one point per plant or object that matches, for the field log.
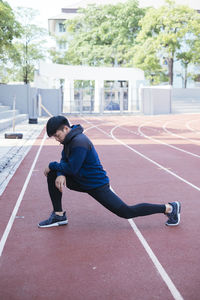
(75, 130)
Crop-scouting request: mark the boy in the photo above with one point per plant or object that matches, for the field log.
(80, 169)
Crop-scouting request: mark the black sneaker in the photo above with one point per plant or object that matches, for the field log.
(54, 220)
(174, 216)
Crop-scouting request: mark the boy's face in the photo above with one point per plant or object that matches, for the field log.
(61, 134)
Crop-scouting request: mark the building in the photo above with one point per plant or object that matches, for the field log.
(56, 23)
(98, 98)
(57, 29)
(120, 96)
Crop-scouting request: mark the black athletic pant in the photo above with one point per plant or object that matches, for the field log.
(104, 196)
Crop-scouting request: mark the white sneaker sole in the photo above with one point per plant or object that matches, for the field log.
(54, 224)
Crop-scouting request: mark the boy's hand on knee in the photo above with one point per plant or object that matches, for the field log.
(60, 182)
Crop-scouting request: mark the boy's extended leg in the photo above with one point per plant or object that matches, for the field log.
(111, 201)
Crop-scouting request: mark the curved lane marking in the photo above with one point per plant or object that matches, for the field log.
(163, 143)
(190, 128)
(177, 135)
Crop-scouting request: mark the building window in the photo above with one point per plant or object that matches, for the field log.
(61, 27)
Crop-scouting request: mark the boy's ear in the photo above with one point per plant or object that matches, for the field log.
(67, 128)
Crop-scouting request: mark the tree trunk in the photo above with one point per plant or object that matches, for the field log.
(185, 77)
(170, 69)
(26, 64)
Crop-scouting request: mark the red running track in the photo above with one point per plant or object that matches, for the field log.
(99, 255)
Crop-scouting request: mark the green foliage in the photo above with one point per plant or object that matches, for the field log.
(168, 33)
(196, 77)
(28, 49)
(9, 29)
(102, 35)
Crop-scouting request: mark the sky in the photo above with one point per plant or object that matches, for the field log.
(48, 9)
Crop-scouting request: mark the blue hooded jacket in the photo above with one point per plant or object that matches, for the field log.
(80, 161)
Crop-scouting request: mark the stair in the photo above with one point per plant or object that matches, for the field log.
(187, 105)
(6, 117)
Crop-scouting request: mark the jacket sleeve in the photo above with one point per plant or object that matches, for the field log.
(74, 163)
(62, 160)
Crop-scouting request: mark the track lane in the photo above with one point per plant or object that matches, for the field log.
(95, 252)
(160, 139)
(175, 132)
(191, 128)
(164, 155)
(161, 239)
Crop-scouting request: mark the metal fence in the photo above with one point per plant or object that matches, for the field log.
(112, 100)
(115, 100)
(83, 100)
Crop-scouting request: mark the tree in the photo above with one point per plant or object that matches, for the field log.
(102, 35)
(185, 58)
(9, 29)
(29, 48)
(195, 55)
(166, 33)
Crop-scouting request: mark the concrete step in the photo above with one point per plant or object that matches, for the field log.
(188, 105)
(8, 122)
(186, 101)
(8, 114)
(193, 107)
(185, 110)
(3, 107)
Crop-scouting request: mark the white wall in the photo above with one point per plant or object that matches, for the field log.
(89, 73)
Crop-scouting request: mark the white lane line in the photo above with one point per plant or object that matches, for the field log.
(140, 133)
(19, 200)
(163, 143)
(169, 283)
(179, 136)
(153, 161)
(91, 127)
(190, 128)
(174, 291)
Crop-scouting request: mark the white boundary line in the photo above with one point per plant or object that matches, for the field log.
(174, 291)
(161, 142)
(154, 162)
(19, 200)
(190, 128)
(141, 133)
(177, 135)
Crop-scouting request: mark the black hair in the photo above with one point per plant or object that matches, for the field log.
(56, 123)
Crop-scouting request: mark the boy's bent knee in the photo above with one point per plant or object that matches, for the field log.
(51, 176)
